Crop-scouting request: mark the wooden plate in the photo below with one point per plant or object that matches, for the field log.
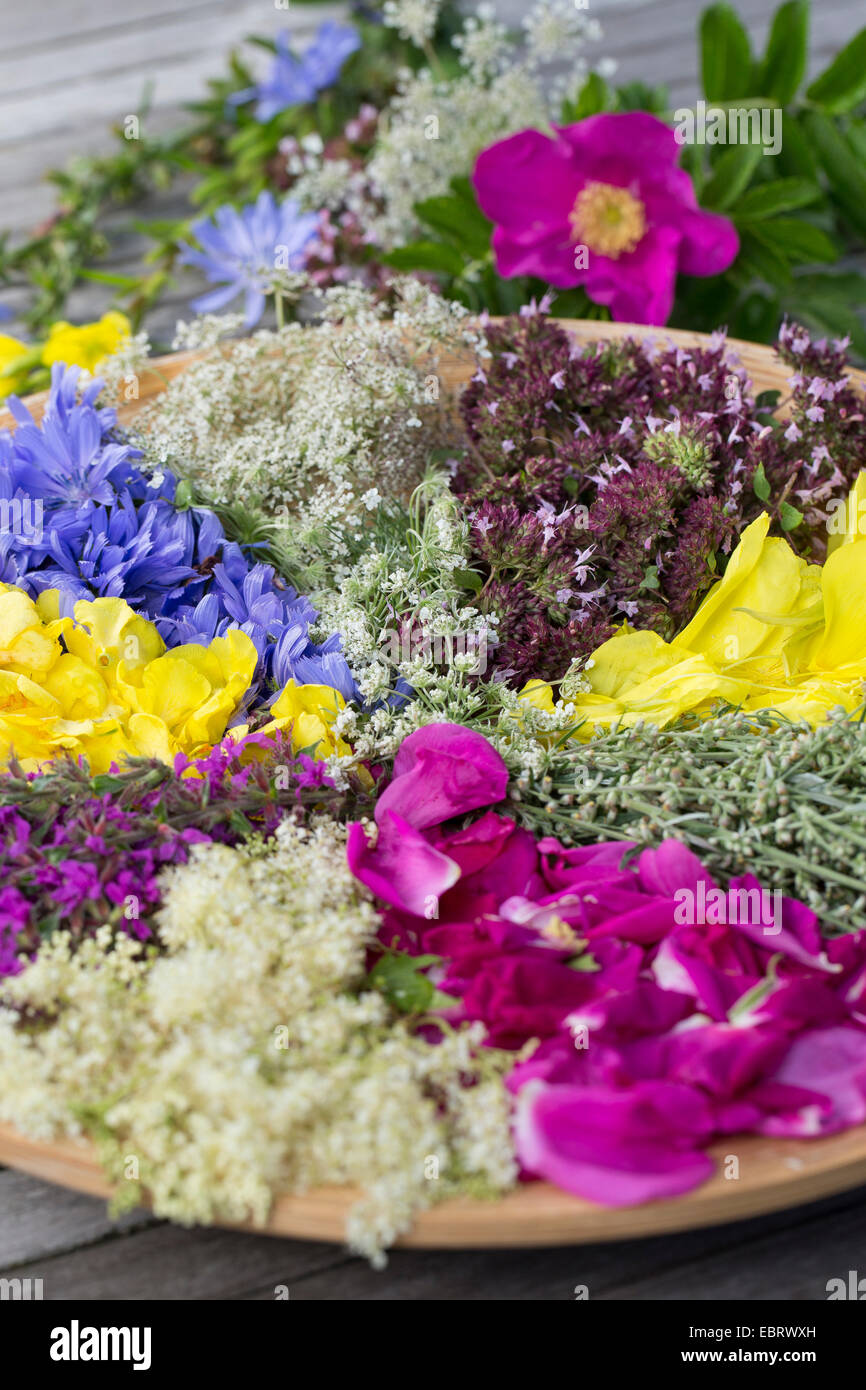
(773, 1174)
(765, 370)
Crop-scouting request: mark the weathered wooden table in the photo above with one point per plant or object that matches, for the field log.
(68, 69)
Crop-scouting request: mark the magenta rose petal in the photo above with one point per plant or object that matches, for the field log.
(402, 869)
(441, 771)
(617, 1149)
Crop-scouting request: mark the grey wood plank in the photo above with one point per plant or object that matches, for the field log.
(794, 1265)
(172, 1263)
(40, 1221)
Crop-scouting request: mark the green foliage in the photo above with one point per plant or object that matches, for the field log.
(798, 213)
(784, 264)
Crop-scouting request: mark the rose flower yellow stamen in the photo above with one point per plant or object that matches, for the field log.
(608, 220)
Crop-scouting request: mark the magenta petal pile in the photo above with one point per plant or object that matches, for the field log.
(667, 1012)
(603, 205)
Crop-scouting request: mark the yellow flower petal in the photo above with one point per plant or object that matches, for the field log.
(86, 345)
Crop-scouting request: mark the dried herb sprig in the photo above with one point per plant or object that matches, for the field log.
(749, 793)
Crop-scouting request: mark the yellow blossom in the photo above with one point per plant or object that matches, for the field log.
(310, 711)
(87, 344)
(11, 351)
(110, 689)
(773, 633)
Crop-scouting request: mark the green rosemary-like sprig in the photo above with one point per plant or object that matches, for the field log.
(749, 793)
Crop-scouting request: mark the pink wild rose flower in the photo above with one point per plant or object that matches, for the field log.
(603, 204)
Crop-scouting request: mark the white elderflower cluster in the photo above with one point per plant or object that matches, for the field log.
(436, 127)
(300, 423)
(404, 610)
(434, 132)
(250, 1059)
(414, 20)
(331, 184)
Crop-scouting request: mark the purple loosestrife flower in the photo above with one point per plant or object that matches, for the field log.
(293, 80)
(242, 251)
(74, 856)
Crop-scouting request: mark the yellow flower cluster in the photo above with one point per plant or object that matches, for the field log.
(83, 346)
(774, 633)
(105, 687)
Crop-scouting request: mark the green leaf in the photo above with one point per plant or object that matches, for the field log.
(766, 401)
(726, 54)
(796, 157)
(789, 517)
(842, 85)
(841, 165)
(184, 495)
(595, 95)
(732, 175)
(849, 287)
(398, 976)
(106, 277)
(760, 484)
(425, 255)
(651, 578)
(856, 133)
(782, 195)
(468, 579)
(447, 215)
(761, 258)
(104, 782)
(784, 65)
(638, 96)
(801, 241)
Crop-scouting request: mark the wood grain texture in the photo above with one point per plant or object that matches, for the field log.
(771, 1175)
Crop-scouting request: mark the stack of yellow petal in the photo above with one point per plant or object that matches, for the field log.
(774, 633)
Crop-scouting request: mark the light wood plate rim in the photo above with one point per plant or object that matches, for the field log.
(774, 1174)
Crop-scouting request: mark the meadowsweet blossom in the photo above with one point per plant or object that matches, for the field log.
(259, 1038)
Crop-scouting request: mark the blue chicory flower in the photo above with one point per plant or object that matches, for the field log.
(293, 80)
(242, 250)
